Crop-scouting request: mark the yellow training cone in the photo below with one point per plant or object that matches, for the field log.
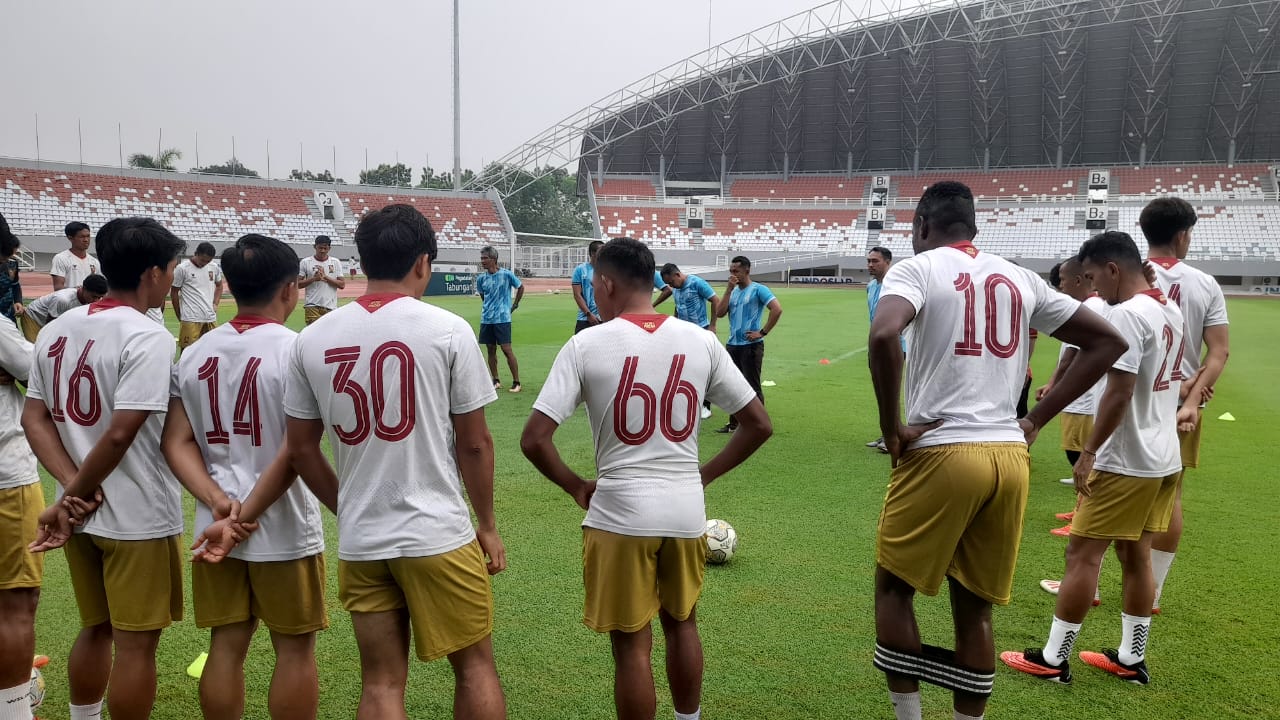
(1228, 417)
(196, 668)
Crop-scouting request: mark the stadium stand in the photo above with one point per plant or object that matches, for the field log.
(1024, 185)
(625, 187)
(801, 187)
(456, 220)
(1195, 182)
(656, 225)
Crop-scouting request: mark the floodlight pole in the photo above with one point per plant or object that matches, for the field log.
(457, 105)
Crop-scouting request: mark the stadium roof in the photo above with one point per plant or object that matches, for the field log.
(912, 86)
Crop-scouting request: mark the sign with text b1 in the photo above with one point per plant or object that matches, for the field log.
(1095, 217)
(693, 215)
(875, 218)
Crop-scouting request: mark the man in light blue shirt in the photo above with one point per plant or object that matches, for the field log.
(583, 292)
(695, 303)
(660, 284)
(494, 287)
(744, 302)
(878, 261)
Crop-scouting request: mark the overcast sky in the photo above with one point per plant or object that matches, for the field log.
(373, 74)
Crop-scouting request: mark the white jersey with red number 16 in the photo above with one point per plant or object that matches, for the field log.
(1146, 442)
(1200, 299)
(231, 383)
(968, 346)
(644, 378)
(385, 374)
(94, 361)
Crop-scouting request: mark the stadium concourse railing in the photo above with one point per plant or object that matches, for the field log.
(722, 261)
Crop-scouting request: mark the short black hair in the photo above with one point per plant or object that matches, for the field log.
(322, 240)
(256, 267)
(128, 247)
(1111, 246)
(741, 260)
(206, 248)
(392, 239)
(593, 247)
(885, 253)
(1055, 275)
(630, 261)
(670, 270)
(1165, 217)
(95, 283)
(73, 228)
(947, 207)
(9, 242)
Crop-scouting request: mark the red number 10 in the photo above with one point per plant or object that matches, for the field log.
(969, 344)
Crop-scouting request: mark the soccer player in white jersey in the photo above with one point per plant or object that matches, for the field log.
(1128, 471)
(197, 291)
(958, 487)
(642, 376)
(400, 387)
(321, 276)
(94, 410)
(71, 266)
(44, 310)
(1167, 223)
(224, 429)
(21, 500)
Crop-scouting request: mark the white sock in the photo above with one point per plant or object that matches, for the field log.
(695, 715)
(1062, 637)
(14, 704)
(961, 716)
(906, 706)
(1160, 563)
(1097, 589)
(1133, 639)
(87, 712)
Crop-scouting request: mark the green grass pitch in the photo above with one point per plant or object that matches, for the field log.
(788, 625)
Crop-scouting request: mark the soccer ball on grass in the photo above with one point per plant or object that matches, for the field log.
(722, 542)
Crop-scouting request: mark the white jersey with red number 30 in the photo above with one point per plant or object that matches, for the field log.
(968, 346)
(1200, 299)
(1146, 442)
(230, 384)
(91, 362)
(384, 374)
(643, 378)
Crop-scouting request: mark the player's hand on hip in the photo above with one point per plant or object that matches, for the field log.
(582, 494)
(1029, 431)
(595, 320)
(754, 335)
(494, 551)
(1081, 472)
(897, 444)
(1188, 418)
(53, 529)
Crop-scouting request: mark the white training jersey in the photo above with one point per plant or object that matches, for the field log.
(320, 293)
(17, 462)
(969, 343)
(75, 269)
(644, 378)
(1087, 404)
(196, 286)
(385, 374)
(91, 362)
(1146, 442)
(231, 384)
(1200, 299)
(47, 307)
(156, 315)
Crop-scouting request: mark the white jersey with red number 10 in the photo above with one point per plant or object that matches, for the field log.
(1200, 299)
(231, 383)
(643, 378)
(93, 361)
(1146, 442)
(968, 346)
(385, 374)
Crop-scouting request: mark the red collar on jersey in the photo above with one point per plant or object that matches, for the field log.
(375, 301)
(244, 323)
(105, 304)
(648, 323)
(1165, 262)
(965, 247)
(1155, 294)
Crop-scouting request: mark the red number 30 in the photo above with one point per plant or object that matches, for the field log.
(371, 418)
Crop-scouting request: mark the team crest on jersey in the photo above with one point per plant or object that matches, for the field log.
(210, 276)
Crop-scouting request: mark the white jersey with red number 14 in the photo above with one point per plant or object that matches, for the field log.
(643, 378)
(1200, 299)
(96, 360)
(1146, 442)
(1087, 404)
(968, 346)
(385, 374)
(231, 383)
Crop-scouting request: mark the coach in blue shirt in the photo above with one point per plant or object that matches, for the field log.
(744, 302)
(494, 287)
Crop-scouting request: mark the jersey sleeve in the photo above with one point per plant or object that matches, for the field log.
(1136, 333)
(1216, 312)
(15, 351)
(1051, 308)
(658, 284)
(908, 280)
(764, 295)
(178, 275)
(727, 388)
(217, 273)
(515, 279)
(59, 268)
(704, 290)
(35, 378)
(302, 268)
(299, 401)
(469, 385)
(146, 357)
(562, 392)
(577, 276)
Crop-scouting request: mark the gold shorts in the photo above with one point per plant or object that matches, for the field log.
(956, 510)
(30, 328)
(1122, 507)
(189, 332)
(1075, 430)
(133, 584)
(20, 510)
(448, 597)
(1190, 442)
(312, 313)
(628, 578)
(287, 595)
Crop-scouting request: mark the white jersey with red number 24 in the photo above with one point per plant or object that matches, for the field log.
(231, 383)
(969, 342)
(643, 378)
(385, 374)
(1200, 299)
